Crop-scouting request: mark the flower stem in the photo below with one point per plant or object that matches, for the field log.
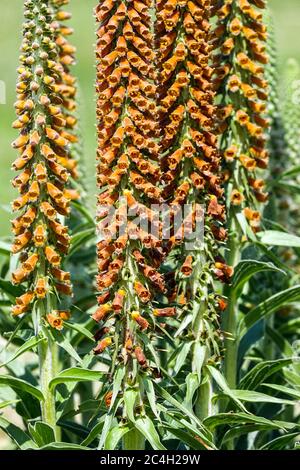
(203, 405)
(231, 343)
(48, 363)
(230, 319)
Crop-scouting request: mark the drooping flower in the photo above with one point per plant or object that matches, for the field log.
(191, 168)
(129, 254)
(41, 238)
(239, 79)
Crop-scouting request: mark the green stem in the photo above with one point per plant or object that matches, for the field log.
(134, 440)
(230, 317)
(48, 356)
(231, 343)
(49, 366)
(203, 405)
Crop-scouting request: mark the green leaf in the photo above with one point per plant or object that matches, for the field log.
(267, 251)
(194, 429)
(20, 437)
(75, 374)
(237, 431)
(82, 209)
(130, 396)
(184, 323)
(220, 380)
(256, 397)
(65, 344)
(114, 436)
(80, 329)
(41, 433)
(149, 346)
(186, 437)
(95, 432)
(5, 248)
(113, 406)
(291, 188)
(269, 306)
(150, 392)
(16, 331)
(277, 238)
(106, 427)
(281, 388)
(252, 336)
(291, 326)
(21, 385)
(292, 377)
(294, 171)
(4, 404)
(242, 221)
(205, 435)
(10, 290)
(283, 345)
(192, 385)
(117, 385)
(27, 346)
(79, 239)
(64, 446)
(169, 398)
(261, 371)
(88, 406)
(75, 428)
(281, 442)
(238, 418)
(147, 428)
(181, 356)
(198, 358)
(248, 268)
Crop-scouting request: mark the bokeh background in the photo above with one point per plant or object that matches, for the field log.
(286, 14)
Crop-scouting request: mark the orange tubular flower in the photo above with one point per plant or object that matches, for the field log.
(142, 322)
(190, 159)
(44, 107)
(127, 174)
(102, 345)
(64, 115)
(55, 321)
(241, 23)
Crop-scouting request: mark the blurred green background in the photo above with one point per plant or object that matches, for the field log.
(286, 15)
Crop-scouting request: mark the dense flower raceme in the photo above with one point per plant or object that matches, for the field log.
(289, 199)
(278, 143)
(68, 81)
(128, 173)
(191, 164)
(41, 238)
(240, 61)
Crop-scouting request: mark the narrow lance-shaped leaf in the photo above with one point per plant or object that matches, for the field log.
(269, 306)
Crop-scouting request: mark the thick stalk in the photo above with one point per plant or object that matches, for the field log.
(203, 405)
(48, 363)
(230, 317)
(133, 440)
